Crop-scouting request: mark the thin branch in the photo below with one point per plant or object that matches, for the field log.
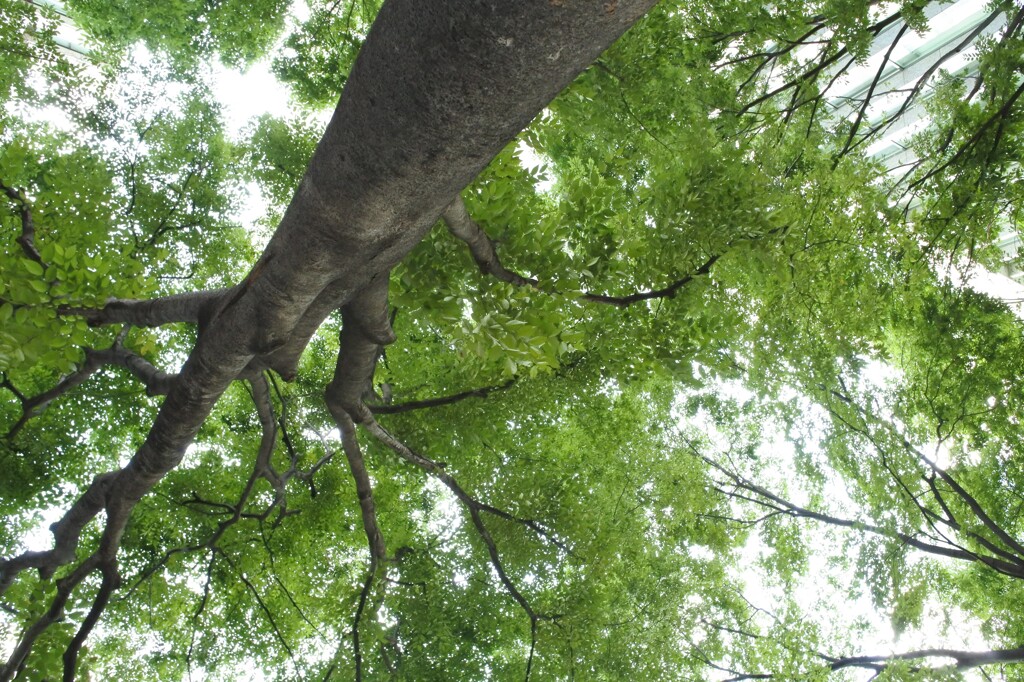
(1014, 550)
(820, 65)
(200, 608)
(629, 109)
(969, 144)
(925, 77)
(399, 408)
(364, 594)
(871, 91)
(765, 498)
(474, 507)
(437, 471)
(259, 601)
(972, 503)
(32, 407)
(462, 226)
(27, 238)
(277, 579)
(665, 292)
(156, 381)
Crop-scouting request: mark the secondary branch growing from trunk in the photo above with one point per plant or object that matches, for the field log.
(481, 246)
(190, 308)
(407, 136)
(156, 381)
(475, 507)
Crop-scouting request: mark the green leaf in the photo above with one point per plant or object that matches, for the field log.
(32, 267)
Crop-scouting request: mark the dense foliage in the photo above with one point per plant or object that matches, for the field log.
(706, 395)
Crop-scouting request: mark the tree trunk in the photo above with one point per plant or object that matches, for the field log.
(435, 94)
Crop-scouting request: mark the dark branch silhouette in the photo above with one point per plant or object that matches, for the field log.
(462, 226)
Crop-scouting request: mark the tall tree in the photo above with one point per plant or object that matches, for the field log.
(520, 494)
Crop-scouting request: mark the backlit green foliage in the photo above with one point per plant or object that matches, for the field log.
(733, 477)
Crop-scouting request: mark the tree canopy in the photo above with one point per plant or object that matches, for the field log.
(587, 340)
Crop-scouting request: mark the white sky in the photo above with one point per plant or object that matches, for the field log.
(246, 95)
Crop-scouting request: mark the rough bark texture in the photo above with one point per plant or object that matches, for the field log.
(437, 91)
(432, 98)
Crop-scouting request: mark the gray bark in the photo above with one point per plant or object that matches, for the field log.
(436, 92)
(432, 98)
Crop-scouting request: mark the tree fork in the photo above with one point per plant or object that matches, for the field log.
(431, 99)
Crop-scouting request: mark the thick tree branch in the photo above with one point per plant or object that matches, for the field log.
(111, 581)
(66, 533)
(235, 512)
(65, 587)
(365, 329)
(374, 537)
(461, 225)
(408, 134)
(399, 408)
(962, 660)
(156, 312)
(364, 490)
(285, 360)
(263, 466)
